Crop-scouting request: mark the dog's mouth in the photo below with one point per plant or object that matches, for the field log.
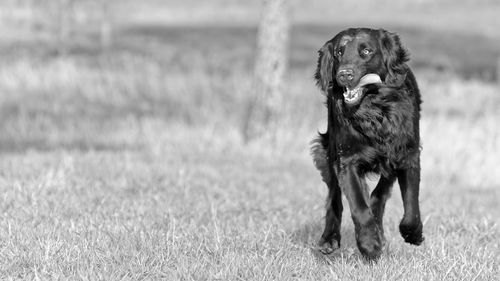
(352, 96)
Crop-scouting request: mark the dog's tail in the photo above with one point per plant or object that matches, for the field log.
(319, 153)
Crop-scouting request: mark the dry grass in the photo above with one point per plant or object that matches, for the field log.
(106, 179)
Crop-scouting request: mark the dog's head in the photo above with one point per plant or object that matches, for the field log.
(358, 57)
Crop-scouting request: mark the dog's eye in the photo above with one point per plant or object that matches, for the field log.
(366, 51)
(339, 53)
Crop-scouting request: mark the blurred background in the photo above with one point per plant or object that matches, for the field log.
(93, 75)
(136, 142)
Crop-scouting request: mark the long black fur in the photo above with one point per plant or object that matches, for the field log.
(379, 134)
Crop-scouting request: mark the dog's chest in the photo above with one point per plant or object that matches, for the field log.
(376, 129)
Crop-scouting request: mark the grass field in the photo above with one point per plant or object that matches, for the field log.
(128, 164)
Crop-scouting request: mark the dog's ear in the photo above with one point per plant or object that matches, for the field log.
(395, 57)
(325, 69)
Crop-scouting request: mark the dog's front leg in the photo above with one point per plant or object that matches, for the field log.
(368, 234)
(411, 225)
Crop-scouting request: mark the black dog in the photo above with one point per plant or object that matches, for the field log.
(373, 126)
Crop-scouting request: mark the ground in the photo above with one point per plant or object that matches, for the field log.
(128, 163)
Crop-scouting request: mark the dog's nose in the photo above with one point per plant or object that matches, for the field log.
(345, 75)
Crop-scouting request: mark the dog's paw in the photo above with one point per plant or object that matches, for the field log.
(370, 241)
(328, 247)
(412, 233)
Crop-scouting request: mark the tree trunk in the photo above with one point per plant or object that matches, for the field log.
(265, 108)
(62, 26)
(105, 26)
(498, 71)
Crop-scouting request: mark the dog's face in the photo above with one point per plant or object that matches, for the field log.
(356, 54)
(357, 57)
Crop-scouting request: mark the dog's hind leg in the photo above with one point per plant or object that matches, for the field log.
(330, 239)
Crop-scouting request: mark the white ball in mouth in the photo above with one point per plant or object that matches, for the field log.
(352, 95)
